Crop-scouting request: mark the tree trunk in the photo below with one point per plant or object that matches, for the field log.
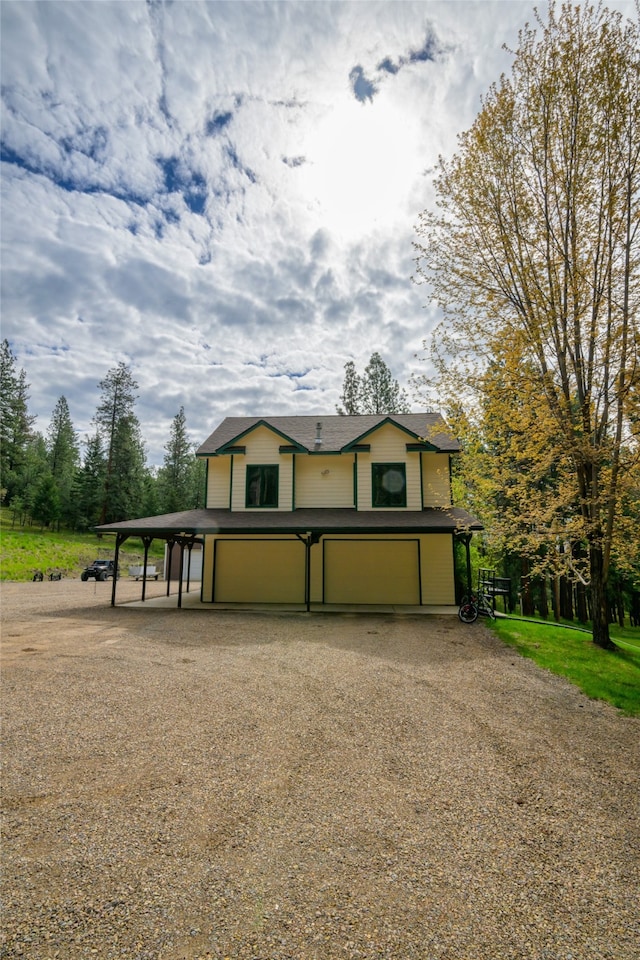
(599, 611)
(556, 598)
(525, 583)
(581, 603)
(566, 598)
(543, 605)
(635, 608)
(620, 605)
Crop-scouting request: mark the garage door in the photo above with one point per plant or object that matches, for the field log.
(259, 571)
(371, 571)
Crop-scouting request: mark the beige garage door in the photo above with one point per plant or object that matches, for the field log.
(259, 571)
(372, 571)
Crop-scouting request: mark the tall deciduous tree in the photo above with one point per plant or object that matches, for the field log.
(119, 430)
(375, 391)
(534, 250)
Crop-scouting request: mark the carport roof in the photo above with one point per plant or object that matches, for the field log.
(319, 521)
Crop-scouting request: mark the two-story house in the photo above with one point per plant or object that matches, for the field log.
(323, 510)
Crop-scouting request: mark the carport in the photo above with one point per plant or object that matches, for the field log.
(309, 526)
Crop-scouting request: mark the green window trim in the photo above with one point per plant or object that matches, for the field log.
(388, 485)
(261, 485)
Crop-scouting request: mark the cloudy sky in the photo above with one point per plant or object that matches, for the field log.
(223, 194)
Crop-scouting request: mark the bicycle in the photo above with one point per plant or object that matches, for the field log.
(475, 605)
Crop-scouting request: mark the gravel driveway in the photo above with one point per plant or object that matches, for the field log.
(186, 784)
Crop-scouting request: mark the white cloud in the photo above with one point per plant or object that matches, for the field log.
(223, 194)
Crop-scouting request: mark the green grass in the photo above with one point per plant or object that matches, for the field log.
(610, 675)
(25, 550)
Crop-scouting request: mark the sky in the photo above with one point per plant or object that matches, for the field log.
(223, 195)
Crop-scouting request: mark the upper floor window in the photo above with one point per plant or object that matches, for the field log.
(262, 485)
(388, 485)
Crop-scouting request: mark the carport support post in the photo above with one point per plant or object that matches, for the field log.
(147, 541)
(189, 548)
(170, 544)
(120, 538)
(308, 541)
(180, 578)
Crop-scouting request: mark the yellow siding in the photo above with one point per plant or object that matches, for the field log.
(436, 485)
(207, 570)
(323, 481)
(437, 569)
(262, 446)
(414, 494)
(389, 445)
(363, 467)
(315, 487)
(218, 481)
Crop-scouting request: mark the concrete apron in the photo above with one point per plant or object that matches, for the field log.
(191, 601)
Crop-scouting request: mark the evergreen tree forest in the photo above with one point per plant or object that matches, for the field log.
(55, 481)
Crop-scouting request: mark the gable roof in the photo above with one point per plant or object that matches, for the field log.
(338, 433)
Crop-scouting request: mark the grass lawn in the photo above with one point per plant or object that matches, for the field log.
(608, 675)
(23, 550)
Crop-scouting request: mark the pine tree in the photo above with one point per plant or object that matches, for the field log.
(174, 477)
(350, 395)
(374, 392)
(62, 447)
(88, 486)
(197, 482)
(33, 469)
(379, 392)
(46, 503)
(15, 421)
(124, 451)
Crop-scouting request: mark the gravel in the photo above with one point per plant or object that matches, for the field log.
(205, 784)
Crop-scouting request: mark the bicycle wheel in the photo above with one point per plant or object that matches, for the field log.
(487, 610)
(468, 612)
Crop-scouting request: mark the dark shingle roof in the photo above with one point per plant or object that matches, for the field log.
(319, 520)
(337, 432)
